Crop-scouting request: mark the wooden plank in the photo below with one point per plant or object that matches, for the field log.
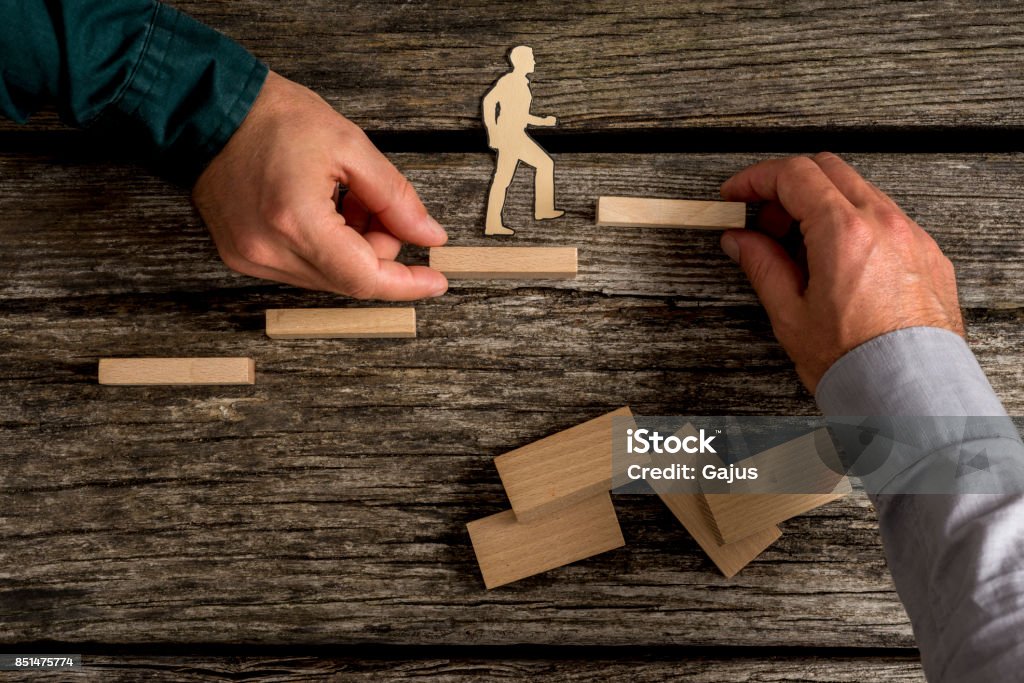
(471, 667)
(652, 212)
(798, 465)
(158, 371)
(341, 323)
(607, 66)
(508, 549)
(60, 240)
(504, 263)
(560, 470)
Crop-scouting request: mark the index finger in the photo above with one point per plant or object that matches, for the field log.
(387, 194)
(797, 183)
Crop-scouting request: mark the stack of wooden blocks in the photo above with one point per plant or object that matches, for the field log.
(559, 491)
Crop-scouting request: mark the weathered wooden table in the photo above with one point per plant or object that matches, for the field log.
(313, 524)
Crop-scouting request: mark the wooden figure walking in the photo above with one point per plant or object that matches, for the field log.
(506, 116)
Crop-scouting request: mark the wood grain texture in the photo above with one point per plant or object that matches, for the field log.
(605, 65)
(561, 469)
(508, 549)
(656, 212)
(328, 503)
(341, 323)
(505, 263)
(183, 371)
(78, 238)
(264, 669)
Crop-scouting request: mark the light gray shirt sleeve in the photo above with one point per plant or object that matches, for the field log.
(957, 558)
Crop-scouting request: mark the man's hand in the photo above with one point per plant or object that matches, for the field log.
(869, 268)
(269, 200)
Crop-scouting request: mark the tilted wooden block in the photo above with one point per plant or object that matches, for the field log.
(730, 558)
(508, 549)
(796, 465)
(153, 371)
(564, 468)
(504, 263)
(692, 512)
(341, 323)
(649, 212)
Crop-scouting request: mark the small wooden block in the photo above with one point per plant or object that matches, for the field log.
(341, 323)
(504, 263)
(508, 549)
(644, 212)
(152, 371)
(794, 465)
(560, 470)
(692, 512)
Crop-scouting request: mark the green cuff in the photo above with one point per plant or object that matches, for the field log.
(188, 94)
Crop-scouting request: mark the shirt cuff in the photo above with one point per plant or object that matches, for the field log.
(190, 91)
(916, 371)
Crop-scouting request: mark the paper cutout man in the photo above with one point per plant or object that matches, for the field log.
(506, 116)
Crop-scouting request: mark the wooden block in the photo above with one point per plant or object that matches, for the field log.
(341, 323)
(504, 263)
(692, 512)
(796, 466)
(147, 371)
(649, 212)
(508, 549)
(560, 470)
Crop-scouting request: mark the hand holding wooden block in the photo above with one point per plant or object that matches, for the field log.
(508, 549)
(649, 212)
(155, 371)
(341, 323)
(504, 263)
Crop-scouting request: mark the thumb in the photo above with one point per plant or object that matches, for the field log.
(776, 278)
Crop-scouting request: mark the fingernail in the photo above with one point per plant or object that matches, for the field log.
(731, 247)
(438, 292)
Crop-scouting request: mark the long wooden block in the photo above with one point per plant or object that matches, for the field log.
(691, 510)
(560, 470)
(504, 263)
(796, 466)
(152, 371)
(508, 549)
(650, 212)
(341, 323)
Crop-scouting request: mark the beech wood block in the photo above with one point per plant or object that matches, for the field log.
(341, 323)
(796, 465)
(649, 212)
(508, 549)
(154, 371)
(504, 263)
(691, 510)
(560, 470)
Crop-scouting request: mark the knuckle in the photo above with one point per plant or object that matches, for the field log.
(256, 252)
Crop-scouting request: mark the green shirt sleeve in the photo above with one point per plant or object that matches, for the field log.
(137, 71)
